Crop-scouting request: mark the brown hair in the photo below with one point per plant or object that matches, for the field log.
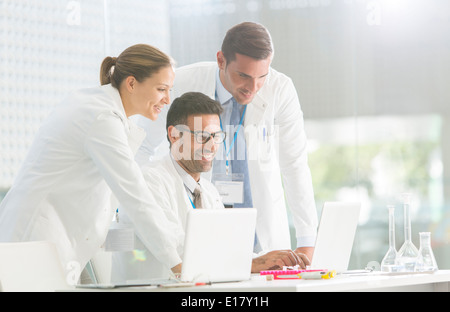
(188, 104)
(250, 39)
(140, 61)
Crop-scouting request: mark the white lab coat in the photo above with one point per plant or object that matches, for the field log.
(63, 192)
(168, 189)
(277, 159)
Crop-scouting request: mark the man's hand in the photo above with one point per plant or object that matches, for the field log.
(277, 259)
(308, 251)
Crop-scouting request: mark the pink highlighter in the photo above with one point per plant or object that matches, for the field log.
(299, 274)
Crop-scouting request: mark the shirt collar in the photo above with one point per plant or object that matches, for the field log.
(188, 180)
(223, 96)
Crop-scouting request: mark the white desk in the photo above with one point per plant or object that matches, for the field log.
(438, 281)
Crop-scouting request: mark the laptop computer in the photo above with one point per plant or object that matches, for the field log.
(335, 237)
(218, 245)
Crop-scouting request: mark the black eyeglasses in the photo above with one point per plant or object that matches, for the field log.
(203, 137)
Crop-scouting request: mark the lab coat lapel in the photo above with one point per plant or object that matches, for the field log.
(255, 112)
(260, 104)
(254, 121)
(179, 189)
(136, 135)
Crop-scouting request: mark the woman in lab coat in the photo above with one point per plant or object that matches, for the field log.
(81, 165)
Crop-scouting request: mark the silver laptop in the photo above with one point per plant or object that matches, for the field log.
(335, 237)
(218, 245)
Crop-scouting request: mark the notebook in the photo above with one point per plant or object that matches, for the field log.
(219, 245)
(335, 237)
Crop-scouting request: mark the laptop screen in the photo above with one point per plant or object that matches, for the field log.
(219, 245)
(335, 237)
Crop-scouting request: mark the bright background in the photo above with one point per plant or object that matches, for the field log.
(373, 79)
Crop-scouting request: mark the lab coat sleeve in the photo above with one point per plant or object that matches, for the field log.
(294, 167)
(161, 184)
(107, 145)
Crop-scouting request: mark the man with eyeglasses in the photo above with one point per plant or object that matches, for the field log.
(195, 135)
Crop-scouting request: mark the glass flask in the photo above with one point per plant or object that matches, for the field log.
(388, 263)
(425, 260)
(408, 253)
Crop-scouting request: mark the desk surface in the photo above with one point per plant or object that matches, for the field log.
(437, 281)
(361, 282)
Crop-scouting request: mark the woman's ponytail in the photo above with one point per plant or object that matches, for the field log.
(107, 69)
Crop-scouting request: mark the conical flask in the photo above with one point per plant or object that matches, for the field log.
(388, 263)
(408, 253)
(425, 260)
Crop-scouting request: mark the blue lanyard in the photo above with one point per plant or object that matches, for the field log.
(234, 138)
(192, 203)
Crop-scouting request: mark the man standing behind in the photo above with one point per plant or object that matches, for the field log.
(194, 133)
(265, 156)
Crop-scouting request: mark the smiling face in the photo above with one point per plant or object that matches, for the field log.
(148, 97)
(244, 76)
(193, 156)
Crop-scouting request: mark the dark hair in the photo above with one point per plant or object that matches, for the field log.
(140, 61)
(191, 103)
(250, 39)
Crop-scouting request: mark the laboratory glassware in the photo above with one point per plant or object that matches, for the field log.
(408, 253)
(425, 260)
(388, 264)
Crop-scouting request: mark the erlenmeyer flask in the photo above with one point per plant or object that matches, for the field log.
(425, 260)
(388, 263)
(407, 255)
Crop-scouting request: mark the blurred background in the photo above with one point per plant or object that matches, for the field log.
(373, 79)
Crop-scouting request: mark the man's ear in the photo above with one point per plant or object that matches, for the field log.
(174, 134)
(221, 61)
(176, 142)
